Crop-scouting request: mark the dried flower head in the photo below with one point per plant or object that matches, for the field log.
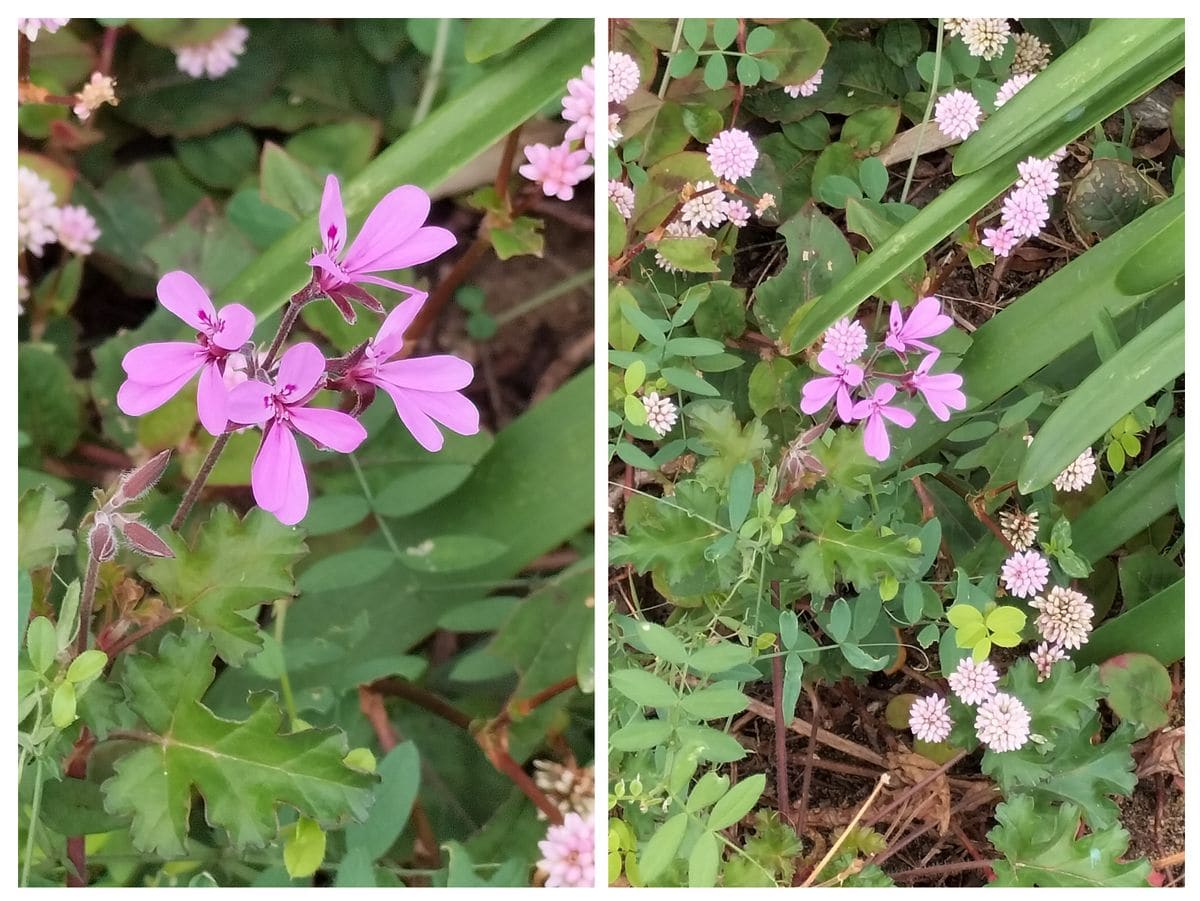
(623, 76)
(99, 90)
(929, 718)
(622, 197)
(1019, 528)
(569, 853)
(1031, 54)
(957, 115)
(847, 339)
(214, 57)
(1025, 212)
(806, 88)
(1039, 176)
(1025, 574)
(985, 37)
(1079, 474)
(661, 413)
(706, 207)
(732, 154)
(1000, 241)
(974, 682)
(1002, 723)
(571, 788)
(1065, 617)
(1044, 656)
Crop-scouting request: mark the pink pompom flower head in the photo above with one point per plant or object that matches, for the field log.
(957, 115)
(569, 853)
(999, 241)
(394, 236)
(941, 392)
(929, 718)
(924, 321)
(157, 372)
(844, 376)
(557, 169)
(732, 155)
(277, 476)
(875, 409)
(425, 390)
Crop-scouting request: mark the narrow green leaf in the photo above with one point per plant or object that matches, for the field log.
(660, 850)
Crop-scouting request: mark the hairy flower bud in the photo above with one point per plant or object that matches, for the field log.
(142, 538)
(140, 480)
(102, 539)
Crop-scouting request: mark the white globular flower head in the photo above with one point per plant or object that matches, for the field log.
(214, 57)
(806, 88)
(986, 38)
(76, 230)
(1021, 529)
(706, 207)
(1002, 723)
(37, 212)
(954, 27)
(1064, 617)
(1079, 474)
(974, 682)
(1044, 656)
(661, 413)
(1025, 574)
(569, 853)
(957, 115)
(1025, 212)
(732, 154)
(623, 76)
(1039, 176)
(929, 718)
(1031, 54)
(1009, 89)
(99, 90)
(847, 339)
(737, 212)
(622, 197)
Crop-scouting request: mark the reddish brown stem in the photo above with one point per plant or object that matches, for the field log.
(401, 688)
(76, 768)
(962, 866)
(504, 173)
(809, 758)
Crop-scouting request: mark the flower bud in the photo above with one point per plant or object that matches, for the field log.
(140, 480)
(102, 539)
(143, 539)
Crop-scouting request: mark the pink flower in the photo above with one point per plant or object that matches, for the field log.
(1009, 89)
(31, 27)
(875, 410)
(425, 390)
(1039, 176)
(1000, 240)
(569, 853)
(557, 169)
(1025, 573)
(277, 476)
(940, 391)
(1064, 617)
(622, 197)
(957, 115)
(156, 372)
(76, 229)
(579, 107)
(924, 321)
(737, 212)
(623, 76)
(1044, 656)
(820, 391)
(806, 88)
(1024, 212)
(393, 237)
(973, 682)
(1002, 723)
(929, 718)
(213, 58)
(732, 154)
(846, 338)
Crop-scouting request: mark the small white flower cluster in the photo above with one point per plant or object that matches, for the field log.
(99, 90)
(1021, 529)
(214, 57)
(661, 413)
(986, 38)
(40, 221)
(705, 206)
(1078, 474)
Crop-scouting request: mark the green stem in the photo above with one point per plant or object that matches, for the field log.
(379, 520)
(34, 815)
(433, 77)
(933, 90)
(285, 682)
(662, 88)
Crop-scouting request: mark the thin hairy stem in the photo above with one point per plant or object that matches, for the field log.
(87, 599)
(933, 90)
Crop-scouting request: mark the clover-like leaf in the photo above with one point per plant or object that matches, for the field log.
(243, 770)
(235, 564)
(1040, 848)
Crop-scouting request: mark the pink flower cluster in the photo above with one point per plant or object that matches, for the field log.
(560, 168)
(849, 383)
(240, 387)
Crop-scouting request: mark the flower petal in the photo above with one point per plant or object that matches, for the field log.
(183, 296)
(250, 403)
(423, 428)
(332, 217)
(816, 393)
(277, 476)
(425, 245)
(899, 415)
(451, 408)
(164, 363)
(212, 399)
(395, 219)
(875, 438)
(299, 371)
(135, 398)
(330, 275)
(235, 326)
(390, 339)
(329, 428)
(442, 372)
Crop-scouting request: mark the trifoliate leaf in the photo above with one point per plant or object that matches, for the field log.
(1040, 849)
(236, 564)
(243, 770)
